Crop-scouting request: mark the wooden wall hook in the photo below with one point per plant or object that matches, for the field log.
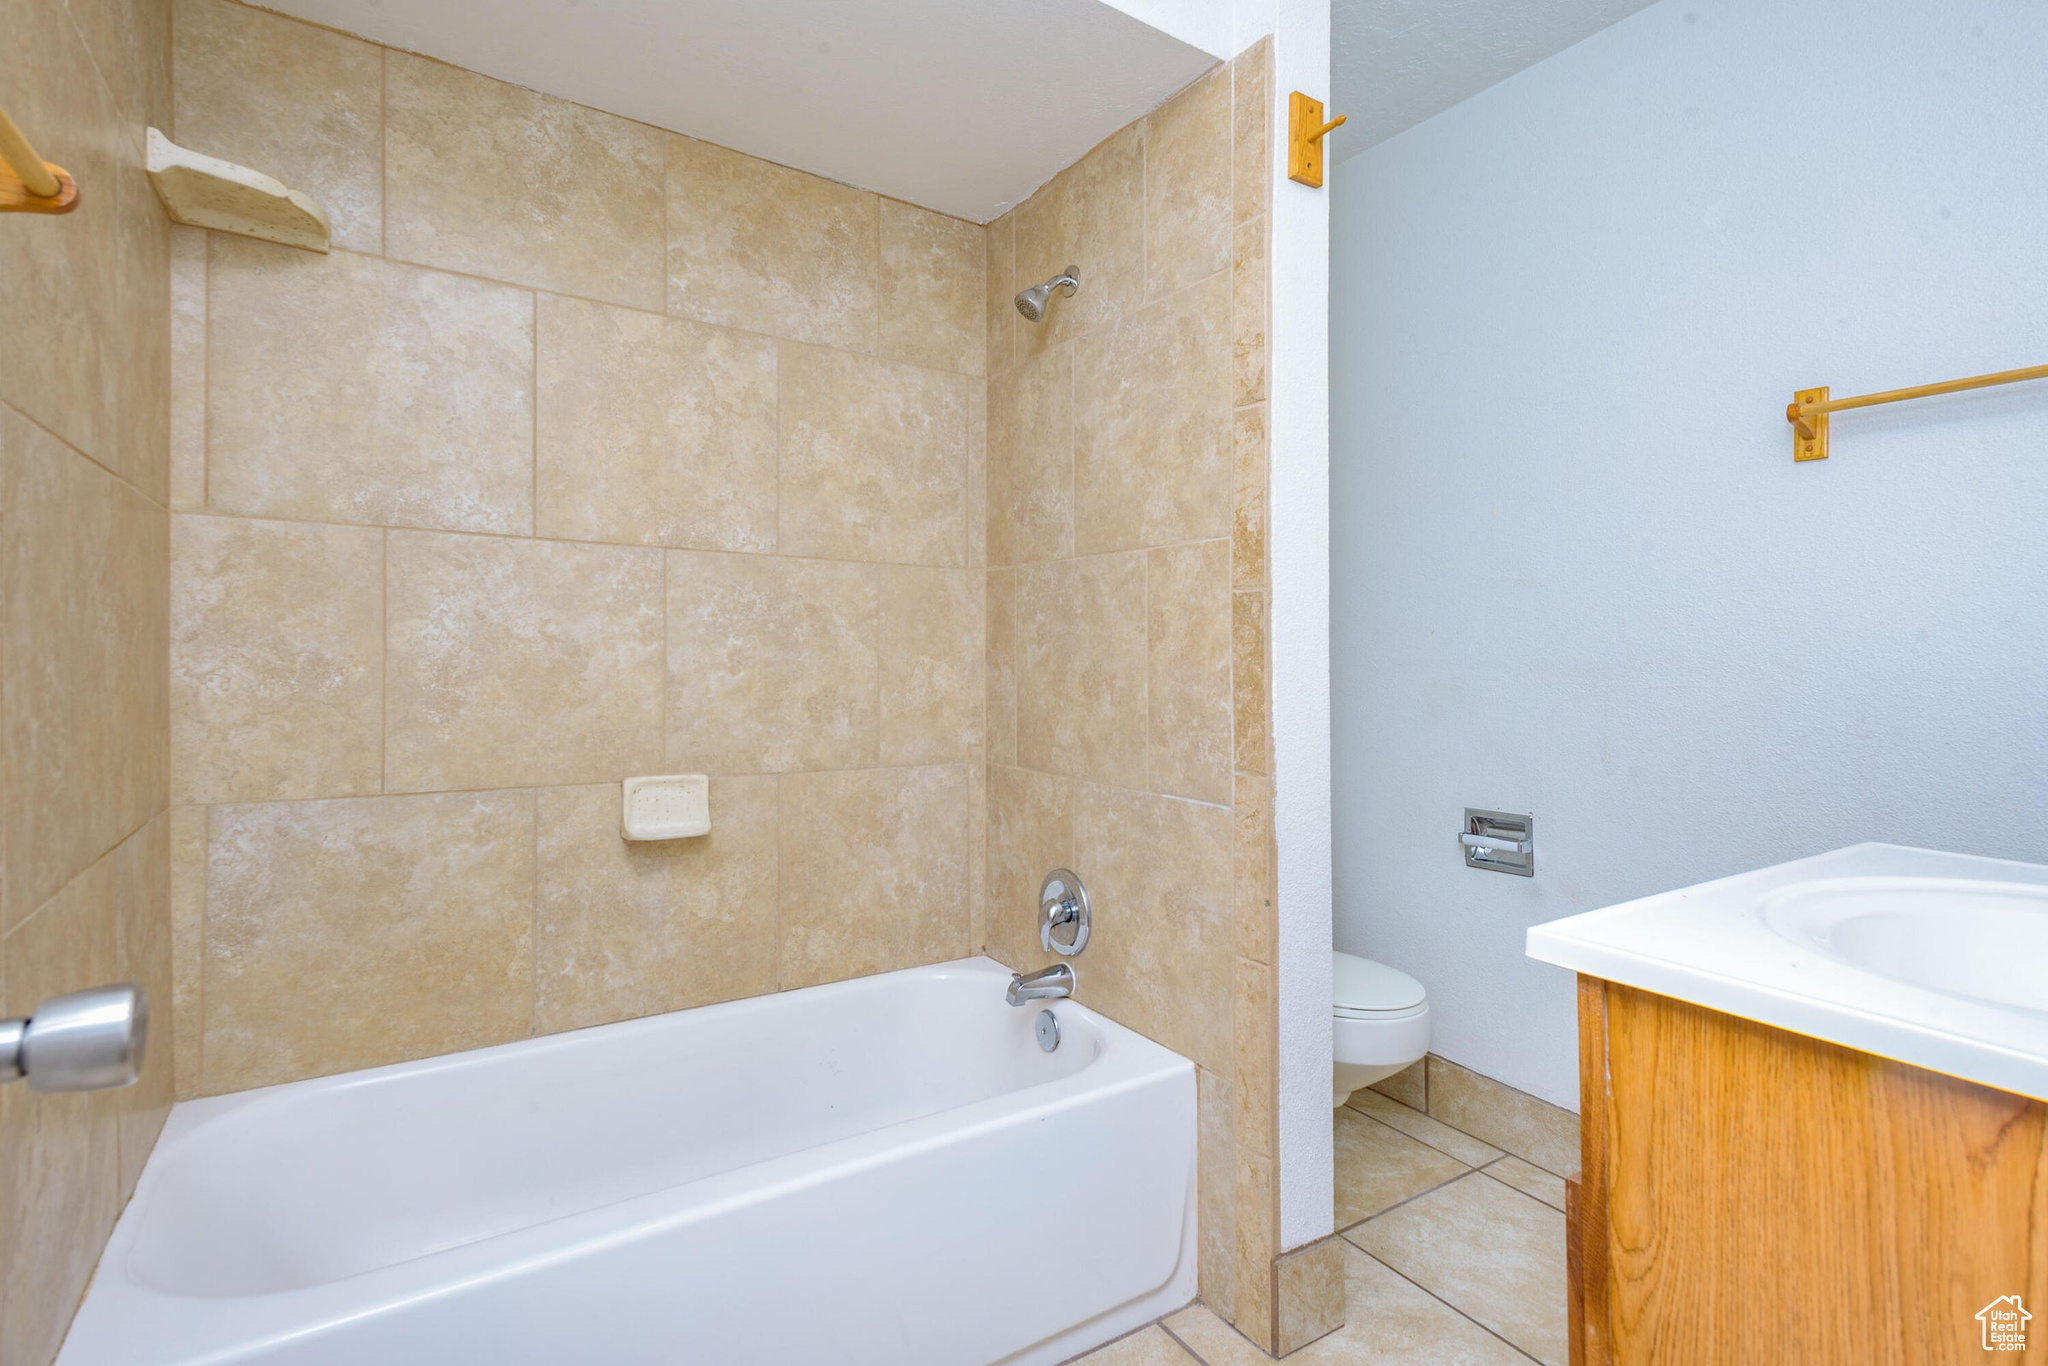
(1305, 133)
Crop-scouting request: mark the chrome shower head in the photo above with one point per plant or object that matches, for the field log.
(1031, 302)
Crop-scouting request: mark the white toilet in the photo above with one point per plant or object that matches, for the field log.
(1380, 1017)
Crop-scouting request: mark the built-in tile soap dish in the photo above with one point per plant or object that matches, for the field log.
(673, 807)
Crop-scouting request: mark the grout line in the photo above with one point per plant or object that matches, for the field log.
(533, 413)
(205, 371)
(1448, 1305)
(533, 940)
(384, 664)
(67, 444)
(383, 152)
(407, 263)
(620, 545)
(1187, 1347)
(205, 915)
(1452, 1181)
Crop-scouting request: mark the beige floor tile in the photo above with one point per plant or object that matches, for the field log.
(1415, 1124)
(1147, 1347)
(1529, 1179)
(1213, 1340)
(1378, 1167)
(1388, 1321)
(1487, 1250)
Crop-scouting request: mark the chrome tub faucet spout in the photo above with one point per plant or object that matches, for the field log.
(1048, 984)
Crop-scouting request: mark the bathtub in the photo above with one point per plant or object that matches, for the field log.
(885, 1170)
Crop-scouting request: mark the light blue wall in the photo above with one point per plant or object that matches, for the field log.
(1575, 571)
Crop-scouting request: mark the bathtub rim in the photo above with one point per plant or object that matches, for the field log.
(1126, 1061)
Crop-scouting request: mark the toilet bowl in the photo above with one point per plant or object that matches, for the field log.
(1380, 1019)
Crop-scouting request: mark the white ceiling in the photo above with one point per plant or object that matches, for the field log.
(965, 106)
(1394, 63)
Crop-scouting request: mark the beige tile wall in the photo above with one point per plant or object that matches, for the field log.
(1127, 713)
(591, 450)
(85, 377)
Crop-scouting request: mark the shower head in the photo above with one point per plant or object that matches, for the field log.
(1031, 302)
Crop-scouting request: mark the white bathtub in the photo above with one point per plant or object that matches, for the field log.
(886, 1170)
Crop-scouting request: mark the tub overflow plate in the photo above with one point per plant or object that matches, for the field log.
(1048, 1030)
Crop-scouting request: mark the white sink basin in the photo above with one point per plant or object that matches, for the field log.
(1938, 960)
(1984, 940)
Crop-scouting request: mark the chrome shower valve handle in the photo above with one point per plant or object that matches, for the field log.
(1062, 900)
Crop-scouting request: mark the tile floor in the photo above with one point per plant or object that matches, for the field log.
(1454, 1257)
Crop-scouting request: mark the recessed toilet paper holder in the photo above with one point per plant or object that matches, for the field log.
(1499, 841)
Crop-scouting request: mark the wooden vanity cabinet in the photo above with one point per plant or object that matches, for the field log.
(1750, 1196)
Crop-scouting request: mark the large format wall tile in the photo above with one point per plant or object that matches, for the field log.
(874, 871)
(517, 663)
(1249, 291)
(653, 430)
(1081, 676)
(495, 179)
(1152, 424)
(354, 933)
(931, 662)
(932, 289)
(277, 660)
(1188, 669)
(1030, 833)
(85, 753)
(348, 389)
(999, 719)
(188, 943)
(188, 369)
(67, 1162)
(772, 663)
(760, 246)
(83, 296)
(299, 103)
(1031, 460)
(1000, 256)
(60, 1155)
(1251, 155)
(1158, 872)
(1090, 216)
(1248, 525)
(874, 459)
(1251, 700)
(625, 929)
(1188, 185)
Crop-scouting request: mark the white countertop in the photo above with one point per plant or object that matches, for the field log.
(1711, 945)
